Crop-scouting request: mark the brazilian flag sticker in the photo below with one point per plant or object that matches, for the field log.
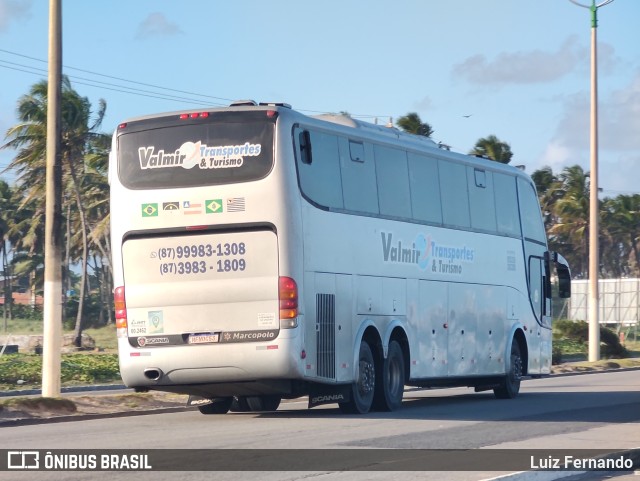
(213, 206)
(149, 210)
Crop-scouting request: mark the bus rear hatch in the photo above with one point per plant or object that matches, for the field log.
(211, 288)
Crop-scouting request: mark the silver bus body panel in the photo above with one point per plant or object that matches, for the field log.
(356, 274)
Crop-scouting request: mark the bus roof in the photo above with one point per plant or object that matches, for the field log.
(347, 124)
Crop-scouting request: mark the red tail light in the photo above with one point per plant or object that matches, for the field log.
(121, 307)
(194, 115)
(288, 296)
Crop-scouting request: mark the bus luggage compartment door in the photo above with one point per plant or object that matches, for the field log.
(201, 289)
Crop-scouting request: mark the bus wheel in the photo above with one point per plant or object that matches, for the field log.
(240, 405)
(390, 381)
(363, 390)
(220, 405)
(263, 403)
(510, 386)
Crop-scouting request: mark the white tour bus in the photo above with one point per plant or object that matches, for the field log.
(262, 254)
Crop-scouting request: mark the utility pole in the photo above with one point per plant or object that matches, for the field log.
(594, 248)
(53, 223)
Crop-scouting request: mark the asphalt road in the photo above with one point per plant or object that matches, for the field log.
(591, 411)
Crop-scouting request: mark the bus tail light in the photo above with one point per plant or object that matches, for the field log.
(194, 115)
(121, 311)
(288, 295)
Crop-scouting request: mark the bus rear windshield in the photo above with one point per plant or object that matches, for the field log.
(194, 154)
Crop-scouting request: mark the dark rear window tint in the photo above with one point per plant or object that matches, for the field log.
(195, 154)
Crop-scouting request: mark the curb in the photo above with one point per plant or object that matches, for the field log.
(33, 392)
(88, 416)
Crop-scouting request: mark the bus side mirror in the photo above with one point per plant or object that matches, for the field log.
(564, 275)
(305, 147)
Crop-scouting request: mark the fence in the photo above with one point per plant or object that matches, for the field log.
(619, 301)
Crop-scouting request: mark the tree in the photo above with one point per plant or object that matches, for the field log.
(493, 148)
(564, 200)
(621, 222)
(412, 124)
(79, 138)
(7, 209)
(549, 189)
(571, 211)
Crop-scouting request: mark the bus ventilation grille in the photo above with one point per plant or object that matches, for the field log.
(326, 335)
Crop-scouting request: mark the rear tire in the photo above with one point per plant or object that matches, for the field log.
(510, 386)
(363, 390)
(220, 405)
(390, 380)
(240, 405)
(263, 403)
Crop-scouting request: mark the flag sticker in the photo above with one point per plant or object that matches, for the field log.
(149, 210)
(235, 204)
(213, 206)
(171, 206)
(192, 207)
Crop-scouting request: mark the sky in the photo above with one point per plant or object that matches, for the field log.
(516, 69)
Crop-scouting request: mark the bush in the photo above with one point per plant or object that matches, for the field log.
(22, 311)
(75, 369)
(571, 336)
(90, 312)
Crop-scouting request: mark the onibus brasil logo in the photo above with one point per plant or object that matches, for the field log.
(426, 253)
(191, 154)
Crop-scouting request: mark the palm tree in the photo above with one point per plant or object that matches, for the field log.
(78, 138)
(621, 219)
(99, 224)
(571, 211)
(564, 201)
(549, 189)
(7, 208)
(412, 124)
(493, 148)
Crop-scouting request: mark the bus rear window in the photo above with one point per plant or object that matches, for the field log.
(195, 154)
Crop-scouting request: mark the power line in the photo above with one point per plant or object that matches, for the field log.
(103, 85)
(139, 92)
(118, 78)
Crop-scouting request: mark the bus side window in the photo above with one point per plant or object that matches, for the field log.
(319, 176)
(393, 181)
(506, 201)
(536, 288)
(532, 226)
(425, 188)
(481, 201)
(359, 187)
(455, 196)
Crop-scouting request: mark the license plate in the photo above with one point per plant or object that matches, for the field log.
(203, 338)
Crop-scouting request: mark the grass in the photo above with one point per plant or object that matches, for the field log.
(24, 371)
(21, 326)
(104, 337)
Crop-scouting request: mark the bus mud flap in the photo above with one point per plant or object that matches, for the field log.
(329, 394)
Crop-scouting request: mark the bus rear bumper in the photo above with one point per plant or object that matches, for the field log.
(175, 368)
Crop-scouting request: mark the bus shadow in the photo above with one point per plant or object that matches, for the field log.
(588, 407)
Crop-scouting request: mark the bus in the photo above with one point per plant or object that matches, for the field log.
(261, 254)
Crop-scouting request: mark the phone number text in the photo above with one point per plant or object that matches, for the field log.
(201, 267)
(194, 251)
